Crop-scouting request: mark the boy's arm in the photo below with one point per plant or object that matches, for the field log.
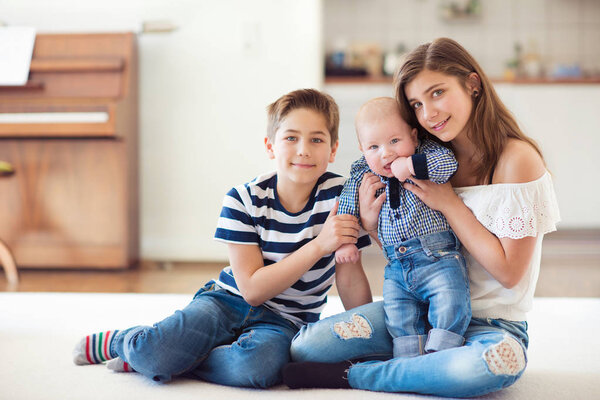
(352, 284)
(433, 162)
(258, 283)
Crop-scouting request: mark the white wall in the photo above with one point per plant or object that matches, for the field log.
(203, 93)
(558, 117)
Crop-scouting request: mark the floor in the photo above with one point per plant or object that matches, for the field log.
(570, 268)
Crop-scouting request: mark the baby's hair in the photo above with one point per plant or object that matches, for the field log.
(310, 99)
(376, 109)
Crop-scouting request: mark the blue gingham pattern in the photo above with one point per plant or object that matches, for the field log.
(412, 218)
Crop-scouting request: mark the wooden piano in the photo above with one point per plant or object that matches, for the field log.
(71, 137)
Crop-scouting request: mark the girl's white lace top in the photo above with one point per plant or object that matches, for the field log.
(509, 210)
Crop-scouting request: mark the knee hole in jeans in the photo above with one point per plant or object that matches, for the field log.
(506, 357)
(357, 327)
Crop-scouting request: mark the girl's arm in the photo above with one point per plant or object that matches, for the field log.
(352, 284)
(505, 259)
(258, 283)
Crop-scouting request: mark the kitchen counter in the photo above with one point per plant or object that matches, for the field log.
(518, 81)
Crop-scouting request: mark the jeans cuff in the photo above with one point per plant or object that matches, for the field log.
(114, 343)
(441, 339)
(409, 346)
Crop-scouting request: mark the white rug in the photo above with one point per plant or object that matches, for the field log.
(39, 330)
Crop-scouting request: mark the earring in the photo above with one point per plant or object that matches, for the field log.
(475, 93)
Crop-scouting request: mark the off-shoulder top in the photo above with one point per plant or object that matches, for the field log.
(509, 210)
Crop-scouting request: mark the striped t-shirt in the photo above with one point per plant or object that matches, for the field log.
(252, 214)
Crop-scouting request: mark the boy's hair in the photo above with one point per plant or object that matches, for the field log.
(304, 98)
(490, 125)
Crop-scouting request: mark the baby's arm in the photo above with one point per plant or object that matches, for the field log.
(434, 162)
(348, 204)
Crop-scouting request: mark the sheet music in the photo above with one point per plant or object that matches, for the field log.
(16, 48)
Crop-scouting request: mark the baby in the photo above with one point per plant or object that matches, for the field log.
(426, 287)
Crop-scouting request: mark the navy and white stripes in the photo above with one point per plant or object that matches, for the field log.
(252, 214)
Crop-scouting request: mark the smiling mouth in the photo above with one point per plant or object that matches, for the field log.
(440, 125)
(303, 165)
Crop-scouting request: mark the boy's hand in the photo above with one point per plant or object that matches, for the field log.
(400, 168)
(347, 253)
(337, 231)
(369, 205)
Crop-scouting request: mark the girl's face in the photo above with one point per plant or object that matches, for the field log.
(441, 103)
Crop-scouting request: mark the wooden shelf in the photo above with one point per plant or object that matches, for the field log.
(77, 64)
(358, 79)
(519, 81)
(30, 85)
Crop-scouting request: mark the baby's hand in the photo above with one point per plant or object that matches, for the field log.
(347, 253)
(400, 168)
(337, 231)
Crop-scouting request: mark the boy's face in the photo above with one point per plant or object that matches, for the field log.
(302, 147)
(385, 139)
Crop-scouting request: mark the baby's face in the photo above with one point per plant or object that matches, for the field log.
(384, 140)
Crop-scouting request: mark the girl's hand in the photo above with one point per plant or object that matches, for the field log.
(337, 231)
(369, 205)
(437, 196)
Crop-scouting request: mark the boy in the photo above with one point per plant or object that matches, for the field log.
(426, 284)
(281, 231)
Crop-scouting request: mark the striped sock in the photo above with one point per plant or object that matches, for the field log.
(95, 348)
(118, 365)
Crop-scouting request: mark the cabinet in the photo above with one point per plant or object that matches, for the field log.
(71, 137)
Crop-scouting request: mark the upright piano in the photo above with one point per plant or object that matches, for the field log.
(71, 137)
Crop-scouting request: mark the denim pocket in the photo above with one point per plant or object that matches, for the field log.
(448, 258)
(441, 254)
(391, 271)
(209, 287)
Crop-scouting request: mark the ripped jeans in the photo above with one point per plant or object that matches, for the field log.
(218, 338)
(493, 356)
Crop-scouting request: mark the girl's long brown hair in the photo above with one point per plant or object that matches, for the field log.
(490, 124)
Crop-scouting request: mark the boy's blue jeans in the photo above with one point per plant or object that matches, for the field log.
(218, 337)
(426, 294)
(493, 356)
